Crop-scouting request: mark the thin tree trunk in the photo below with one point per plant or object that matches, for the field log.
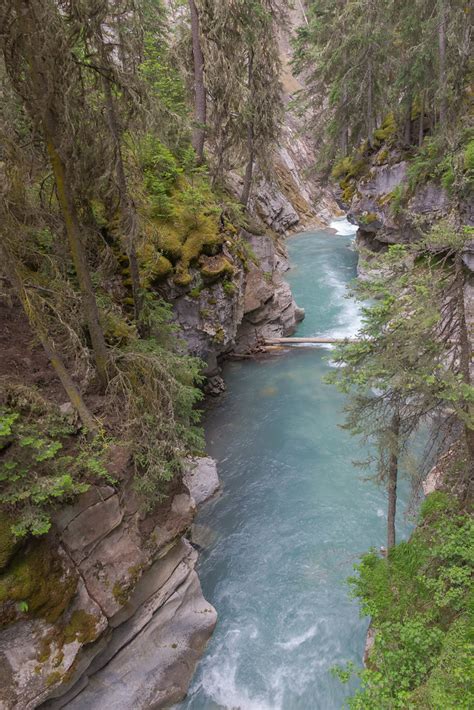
(370, 109)
(421, 127)
(200, 106)
(66, 201)
(442, 63)
(244, 198)
(129, 226)
(55, 359)
(303, 12)
(67, 382)
(392, 481)
(407, 128)
(345, 126)
(465, 364)
(80, 263)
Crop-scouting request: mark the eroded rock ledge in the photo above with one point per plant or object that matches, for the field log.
(218, 319)
(130, 621)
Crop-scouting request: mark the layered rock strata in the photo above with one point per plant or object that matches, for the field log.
(129, 621)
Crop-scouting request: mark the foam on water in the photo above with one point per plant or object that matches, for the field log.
(298, 640)
(343, 227)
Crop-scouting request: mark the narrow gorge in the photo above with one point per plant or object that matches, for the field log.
(193, 516)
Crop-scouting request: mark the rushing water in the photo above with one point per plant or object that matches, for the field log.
(294, 514)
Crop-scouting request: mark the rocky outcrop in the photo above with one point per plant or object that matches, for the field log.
(269, 309)
(388, 211)
(233, 315)
(201, 479)
(124, 621)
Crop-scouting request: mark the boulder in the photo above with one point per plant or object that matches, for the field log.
(201, 478)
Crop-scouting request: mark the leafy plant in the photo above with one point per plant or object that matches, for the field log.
(419, 601)
(40, 463)
(155, 390)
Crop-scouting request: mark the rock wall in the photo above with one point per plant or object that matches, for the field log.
(123, 621)
(221, 318)
(381, 221)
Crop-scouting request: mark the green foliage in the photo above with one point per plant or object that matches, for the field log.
(229, 288)
(469, 156)
(397, 200)
(160, 171)
(425, 166)
(402, 348)
(450, 167)
(164, 79)
(179, 211)
(40, 466)
(387, 131)
(436, 504)
(362, 61)
(155, 389)
(420, 601)
(348, 168)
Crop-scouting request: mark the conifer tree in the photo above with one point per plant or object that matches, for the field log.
(200, 99)
(411, 361)
(39, 58)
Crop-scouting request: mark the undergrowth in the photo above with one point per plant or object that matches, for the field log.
(420, 601)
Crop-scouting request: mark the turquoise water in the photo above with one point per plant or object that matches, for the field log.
(294, 515)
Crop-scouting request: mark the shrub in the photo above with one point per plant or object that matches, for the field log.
(154, 390)
(41, 465)
(469, 156)
(420, 601)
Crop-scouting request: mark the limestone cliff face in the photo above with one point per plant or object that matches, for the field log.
(383, 219)
(129, 621)
(221, 318)
(288, 197)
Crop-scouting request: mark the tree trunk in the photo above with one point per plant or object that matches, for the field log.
(244, 198)
(421, 127)
(465, 366)
(392, 481)
(442, 63)
(65, 198)
(128, 217)
(67, 382)
(370, 108)
(71, 221)
(407, 127)
(55, 359)
(345, 124)
(200, 107)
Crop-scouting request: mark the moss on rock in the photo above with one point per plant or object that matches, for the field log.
(38, 581)
(214, 268)
(387, 131)
(8, 542)
(81, 627)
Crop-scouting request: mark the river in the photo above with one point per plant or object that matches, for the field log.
(294, 514)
